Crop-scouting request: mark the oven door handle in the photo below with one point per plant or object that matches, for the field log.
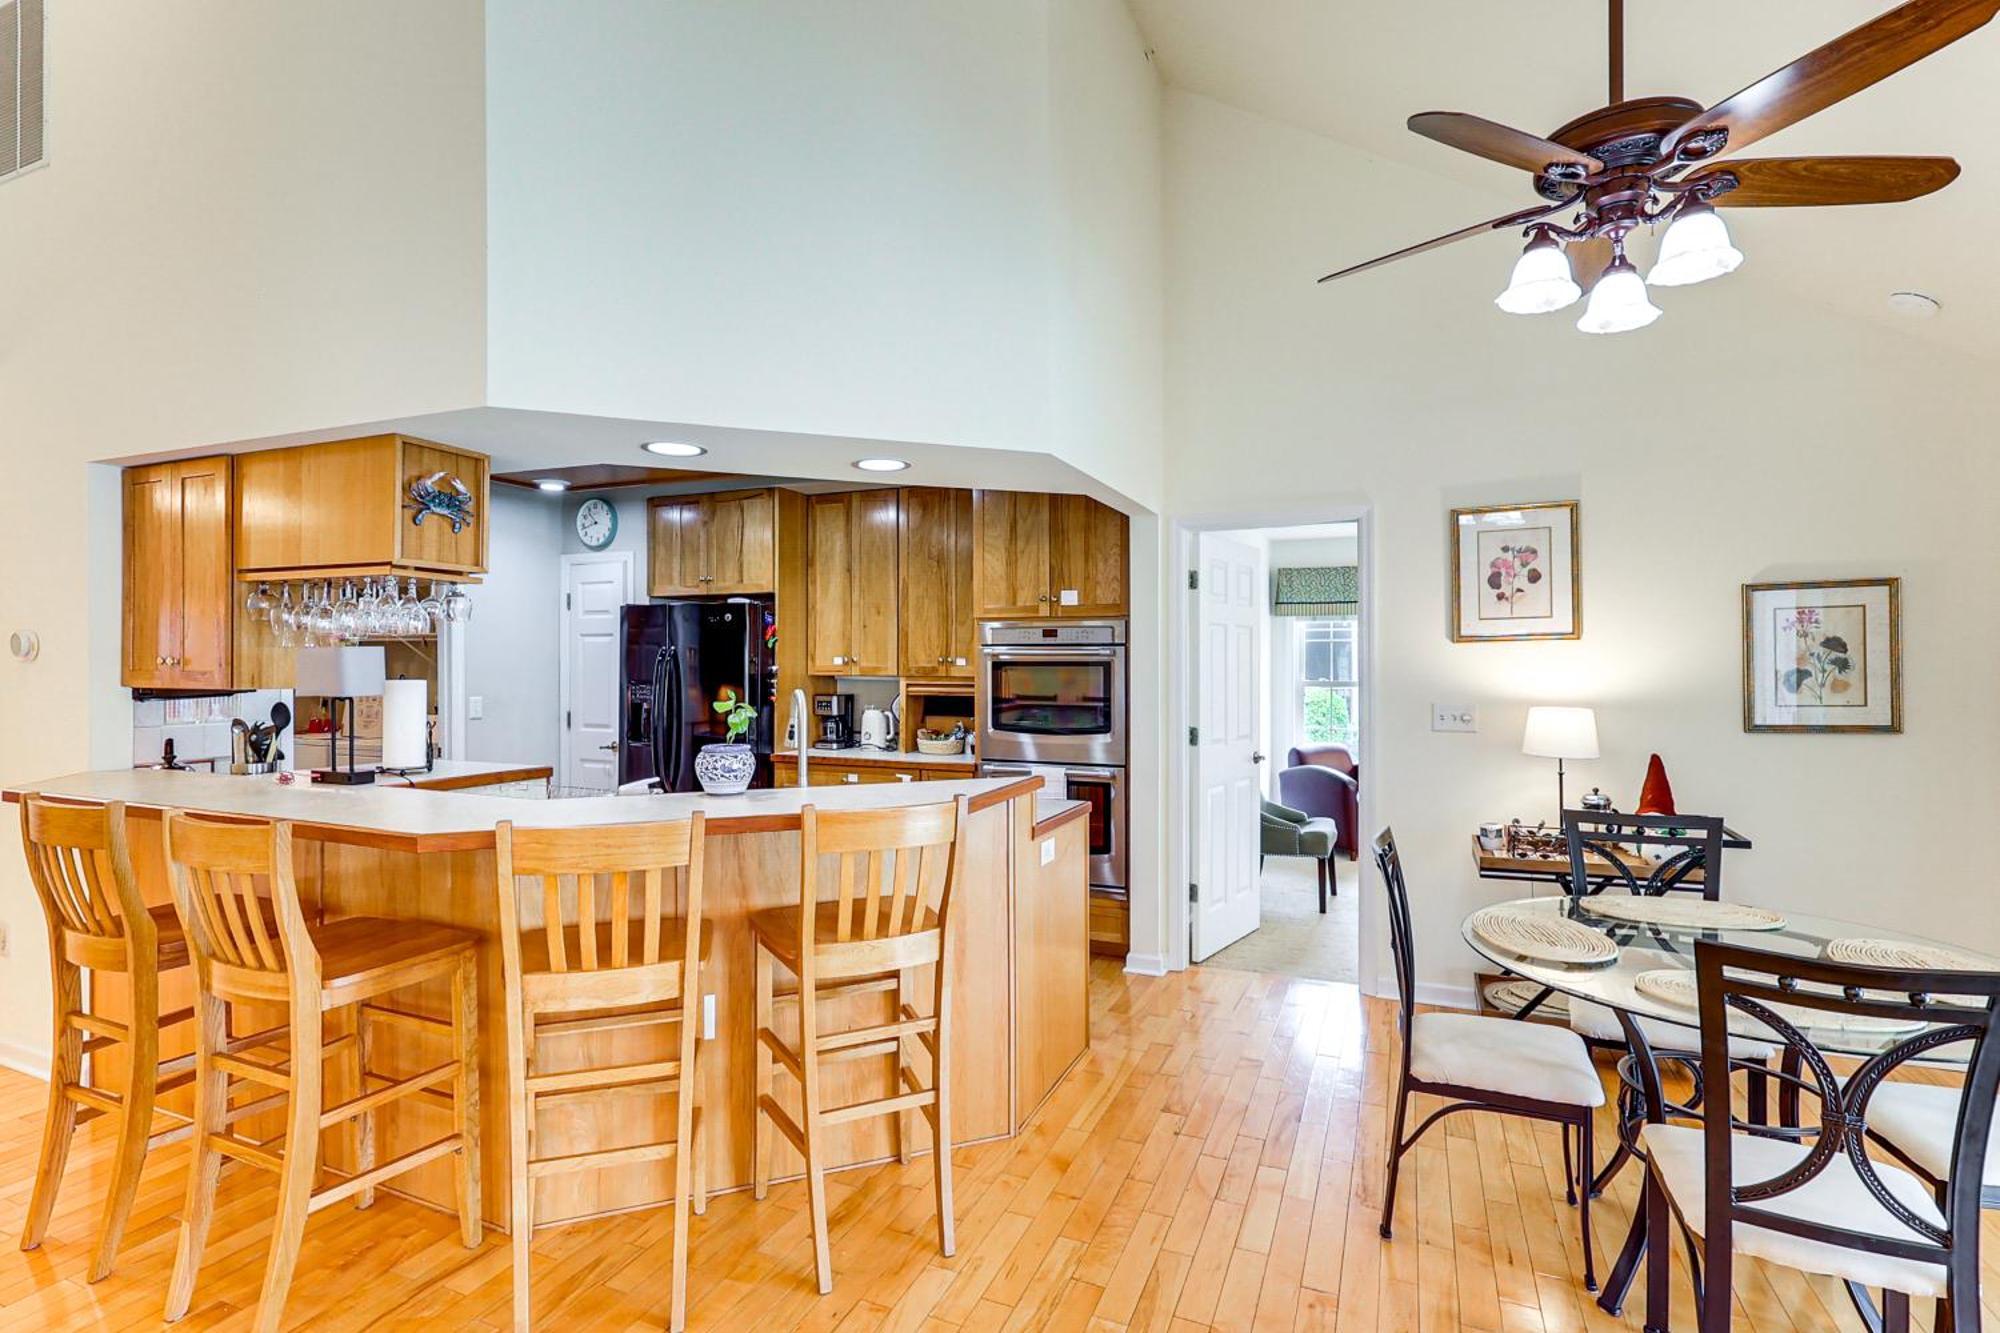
(1019, 650)
(1092, 774)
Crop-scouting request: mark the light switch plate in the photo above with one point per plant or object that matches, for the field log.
(708, 1017)
(1454, 717)
(475, 707)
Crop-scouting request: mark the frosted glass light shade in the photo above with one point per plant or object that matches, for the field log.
(1541, 281)
(1695, 249)
(1560, 733)
(1618, 303)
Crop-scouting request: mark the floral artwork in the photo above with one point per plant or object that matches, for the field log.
(1822, 656)
(1515, 572)
(1822, 669)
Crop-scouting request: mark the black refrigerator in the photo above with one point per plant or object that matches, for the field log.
(679, 659)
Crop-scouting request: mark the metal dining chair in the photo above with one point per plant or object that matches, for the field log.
(1813, 1198)
(1477, 1062)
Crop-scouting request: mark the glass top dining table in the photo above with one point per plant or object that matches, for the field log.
(1648, 948)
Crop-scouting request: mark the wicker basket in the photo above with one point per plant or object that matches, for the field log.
(940, 745)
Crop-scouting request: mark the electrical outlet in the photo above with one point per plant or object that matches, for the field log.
(1048, 850)
(708, 1018)
(1454, 717)
(475, 707)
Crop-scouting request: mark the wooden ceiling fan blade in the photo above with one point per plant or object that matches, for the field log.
(1794, 182)
(1844, 66)
(1588, 260)
(1501, 143)
(1521, 218)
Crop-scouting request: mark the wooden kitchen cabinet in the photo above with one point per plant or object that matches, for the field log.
(345, 508)
(180, 586)
(1048, 555)
(712, 545)
(934, 622)
(852, 585)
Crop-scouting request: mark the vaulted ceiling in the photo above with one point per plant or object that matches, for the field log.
(1355, 70)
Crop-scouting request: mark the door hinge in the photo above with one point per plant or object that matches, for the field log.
(569, 602)
(1194, 580)
(569, 720)
(1194, 735)
(1194, 892)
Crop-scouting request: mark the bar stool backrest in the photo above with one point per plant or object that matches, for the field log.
(81, 868)
(617, 886)
(892, 880)
(1687, 845)
(222, 872)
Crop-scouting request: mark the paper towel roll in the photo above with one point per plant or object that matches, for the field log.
(405, 723)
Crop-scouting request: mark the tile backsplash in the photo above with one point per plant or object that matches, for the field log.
(199, 727)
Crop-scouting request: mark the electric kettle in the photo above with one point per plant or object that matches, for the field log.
(877, 732)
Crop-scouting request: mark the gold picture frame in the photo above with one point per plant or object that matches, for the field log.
(1823, 656)
(1498, 598)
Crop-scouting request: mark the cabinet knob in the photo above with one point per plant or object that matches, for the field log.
(159, 661)
(1042, 598)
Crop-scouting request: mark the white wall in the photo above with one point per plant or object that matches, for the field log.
(512, 642)
(1743, 437)
(885, 219)
(255, 219)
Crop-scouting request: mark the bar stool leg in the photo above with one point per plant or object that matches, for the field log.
(465, 1100)
(59, 1126)
(211, 1105)
(814, 1132)
(684, 1168)
(700, 1144)
(760, 1143)
(364, 1124)
(941, 1118)
(141, 1082)
(520, 1138)
(301, 1161)
(899, 1066)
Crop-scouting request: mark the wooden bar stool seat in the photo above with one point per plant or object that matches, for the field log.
(81, 867)
(229, 878)
(894, 871)
(620, 916)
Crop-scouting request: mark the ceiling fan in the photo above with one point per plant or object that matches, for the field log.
(1652, 159)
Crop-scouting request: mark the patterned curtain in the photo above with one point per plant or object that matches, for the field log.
(1329, 590)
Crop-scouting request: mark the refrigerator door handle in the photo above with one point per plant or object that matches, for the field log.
(679, 723)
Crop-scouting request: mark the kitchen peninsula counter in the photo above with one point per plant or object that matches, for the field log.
(1020, 1005)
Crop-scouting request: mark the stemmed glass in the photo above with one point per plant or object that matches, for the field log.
(285, 618)
(258, 603)
(347, 619)
(457, 606)
(411, 620)
(433, 608)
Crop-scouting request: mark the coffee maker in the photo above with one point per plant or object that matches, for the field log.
(836, 721)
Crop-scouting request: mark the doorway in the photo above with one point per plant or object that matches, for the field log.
(1275, 774)
(595, 588)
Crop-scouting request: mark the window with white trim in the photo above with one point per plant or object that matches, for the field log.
(1326, 702)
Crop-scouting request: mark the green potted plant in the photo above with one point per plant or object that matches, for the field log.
(725, 768)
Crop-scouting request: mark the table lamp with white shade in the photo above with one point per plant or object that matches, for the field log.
(1559, 734)
(341, 674)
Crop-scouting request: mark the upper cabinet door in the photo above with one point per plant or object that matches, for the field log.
(674, 541)
(1010, 554)
(851, 569)
(1088, 556)
(207, 576)
(152, 574)
(935, 620)
(740, 536)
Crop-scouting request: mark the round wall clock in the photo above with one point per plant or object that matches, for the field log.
(596, 523)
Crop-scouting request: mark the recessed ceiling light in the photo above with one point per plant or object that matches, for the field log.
(673, 449)
(1914, 304)
(880, 464)
(551, 484)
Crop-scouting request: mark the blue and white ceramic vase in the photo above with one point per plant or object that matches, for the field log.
(725, 770)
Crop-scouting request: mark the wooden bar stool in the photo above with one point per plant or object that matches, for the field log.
(216, 869)
(82, 871)
(602, 974)
(892, 915)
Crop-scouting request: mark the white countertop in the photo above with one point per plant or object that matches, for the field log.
(443, 820)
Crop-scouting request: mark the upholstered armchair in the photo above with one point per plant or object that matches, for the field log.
(1289, 832)
(1325, 781)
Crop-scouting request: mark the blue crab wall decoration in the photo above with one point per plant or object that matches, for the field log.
(450, 501)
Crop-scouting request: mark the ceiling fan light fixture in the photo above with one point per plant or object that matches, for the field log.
(1541, 281)
(1695, 249)
(1618, 301)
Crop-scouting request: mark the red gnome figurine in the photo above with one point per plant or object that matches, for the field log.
(1656, 794)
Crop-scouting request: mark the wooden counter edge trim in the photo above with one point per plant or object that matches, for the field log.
(1043, 827)
(479, 840)
(464, 781)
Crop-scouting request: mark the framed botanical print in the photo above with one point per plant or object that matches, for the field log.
(1823, 656)
(1516, 573)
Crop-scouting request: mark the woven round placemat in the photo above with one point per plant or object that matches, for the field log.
(1543, 936)
(1682, 912)
(1512, 995)
(1906, 955)
(1677, 986)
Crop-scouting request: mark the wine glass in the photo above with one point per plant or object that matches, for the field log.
(457, 606)
(347, 620)
(285, 618)
(258, 603)
(411, 620)
(433, 607)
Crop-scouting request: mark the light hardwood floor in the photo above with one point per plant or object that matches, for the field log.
(1216, 1162)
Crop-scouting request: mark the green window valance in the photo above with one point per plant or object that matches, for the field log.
(1327, 590)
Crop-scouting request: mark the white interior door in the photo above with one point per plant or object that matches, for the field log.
(1229, 682)
(595, 589)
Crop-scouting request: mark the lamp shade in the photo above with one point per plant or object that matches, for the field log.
(1618, 303)
(1560, 733)
(1695, 249)
(341, 673)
